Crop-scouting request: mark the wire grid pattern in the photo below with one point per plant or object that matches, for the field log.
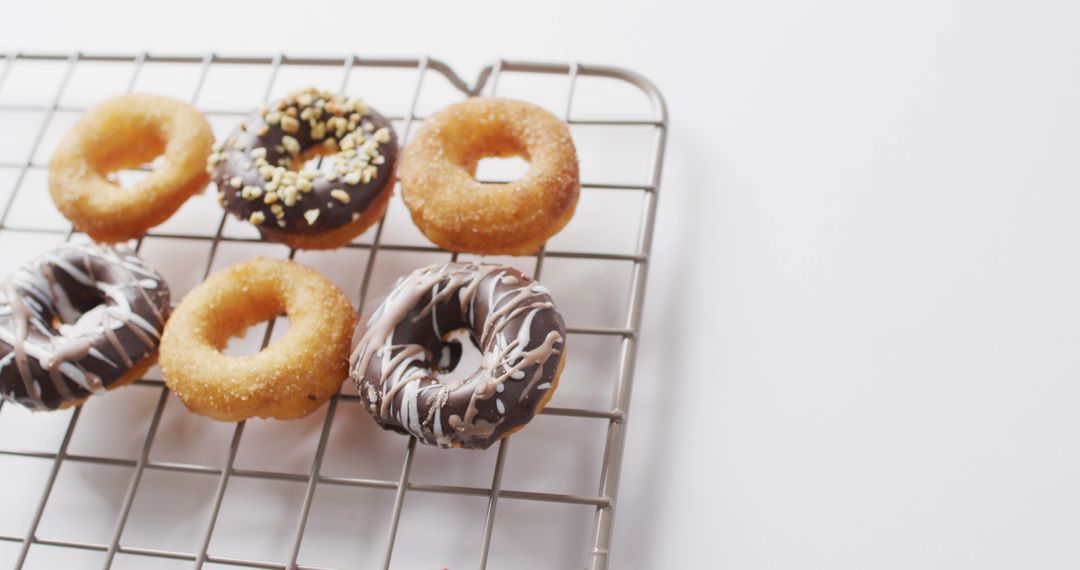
(603, 501)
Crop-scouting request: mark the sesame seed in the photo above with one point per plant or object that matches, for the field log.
(311, 216)
(257, 218)
(340, 195)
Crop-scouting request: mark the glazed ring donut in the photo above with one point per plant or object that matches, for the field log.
(125, 132)
(288, 379)
(262, 178)
(77, 321)
(459, 213)
(407, 343)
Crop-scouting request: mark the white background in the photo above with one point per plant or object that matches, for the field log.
(861, 328)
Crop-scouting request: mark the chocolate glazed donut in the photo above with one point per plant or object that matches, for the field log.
(78, 321)
(509, 317)
(261, 177)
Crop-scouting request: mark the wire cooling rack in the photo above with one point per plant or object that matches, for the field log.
(421, 75)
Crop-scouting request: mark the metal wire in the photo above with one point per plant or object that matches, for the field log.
(604, 501)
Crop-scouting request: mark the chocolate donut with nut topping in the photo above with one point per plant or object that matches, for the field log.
(408, 344)
(262, 174)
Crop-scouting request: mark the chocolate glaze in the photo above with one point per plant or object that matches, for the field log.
(234, 159)
(511, 319)
(75, 321)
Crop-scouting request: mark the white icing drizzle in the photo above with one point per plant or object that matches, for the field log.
(395, 372)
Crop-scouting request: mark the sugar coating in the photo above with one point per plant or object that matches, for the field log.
(454, 210)
(125, 132)
(288, 379)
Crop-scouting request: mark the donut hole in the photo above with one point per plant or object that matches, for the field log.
(128, 159)
(317, 157)
(86, 311)
(458, 357)
(249, 341)
(502, 168)
(237, 331)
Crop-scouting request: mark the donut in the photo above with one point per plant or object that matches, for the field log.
(78, 321)
(288, 379)
(262, 176)
(409, 341)
(457, 212)
(125, 132)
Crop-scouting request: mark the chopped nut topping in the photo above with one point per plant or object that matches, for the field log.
(257, 218)
(352, 178)
(258, 153)
(382, 135)
(263, 130)
(289, 195)
(273, 118)
(251, 192)
(289, 124)
(311, 216)
(290, 144)
(340, 195)
(236, 182)
(270, 198)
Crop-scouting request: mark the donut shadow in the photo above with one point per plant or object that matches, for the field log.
(664, 331)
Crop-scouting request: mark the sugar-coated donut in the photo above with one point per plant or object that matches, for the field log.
(459, 213)
(407, 343)
(288, 379)
(125, 132)
(77, 321)
(262, 178)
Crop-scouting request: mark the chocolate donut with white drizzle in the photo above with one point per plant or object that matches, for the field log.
(510, 318)
(78, 321)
